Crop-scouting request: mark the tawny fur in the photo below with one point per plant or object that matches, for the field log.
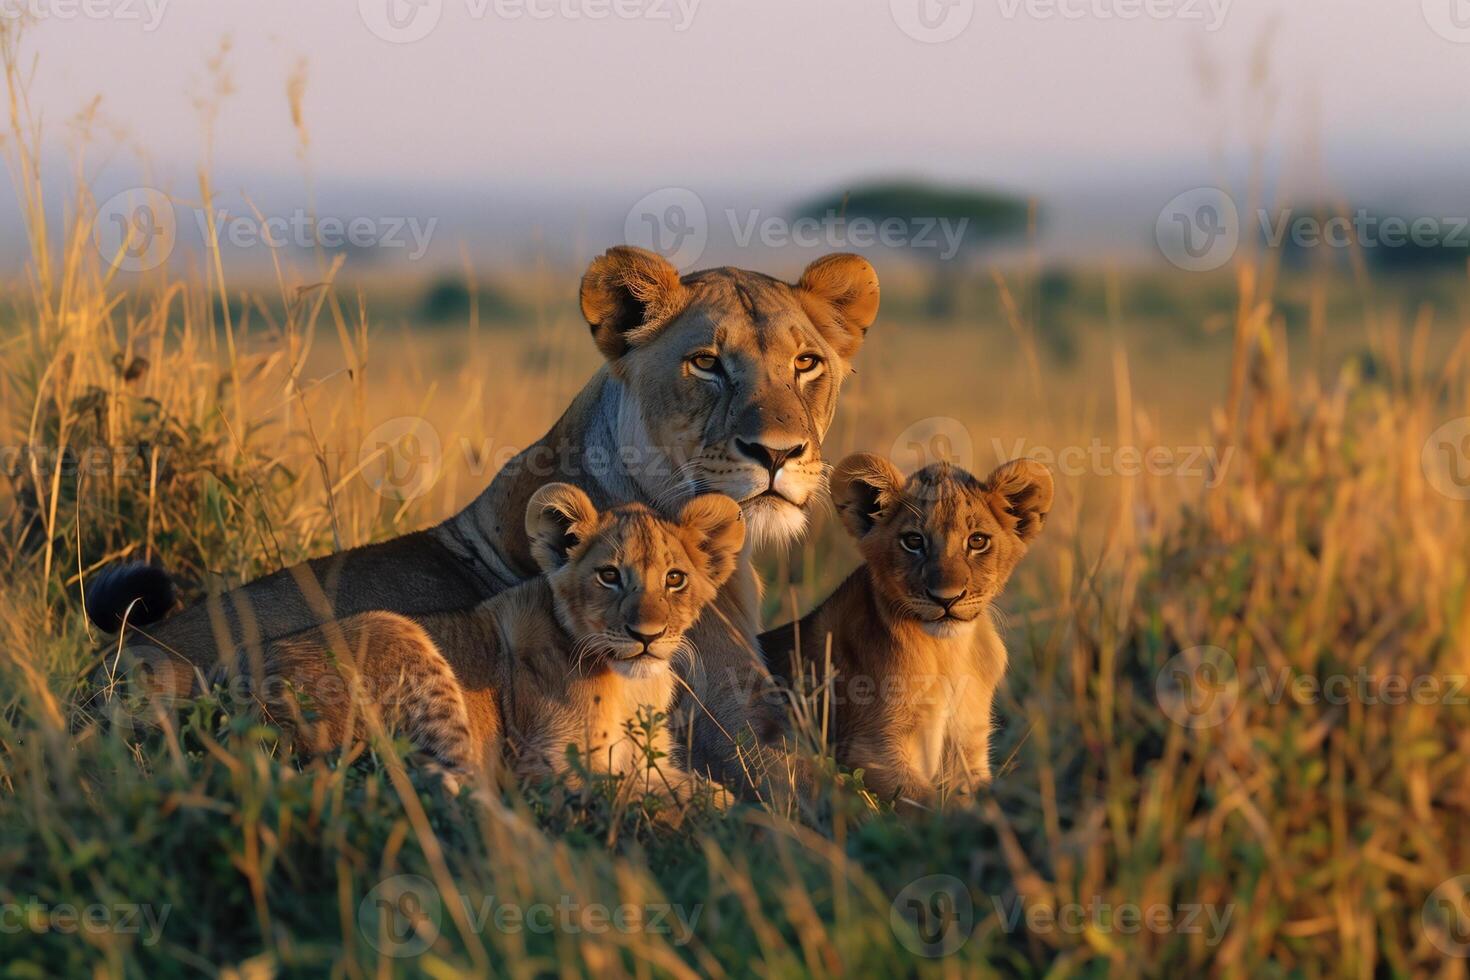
(646, 428)
(910, 692)
(546, 666)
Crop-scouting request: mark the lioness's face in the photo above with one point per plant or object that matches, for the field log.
(733, 375)
(940, 545)
(629, 583)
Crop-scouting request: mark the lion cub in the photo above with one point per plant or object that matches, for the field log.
(570, 659)
(915, 658)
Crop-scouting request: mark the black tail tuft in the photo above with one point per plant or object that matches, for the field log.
(142, 593)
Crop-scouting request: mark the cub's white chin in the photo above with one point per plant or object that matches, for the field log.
(949, 629)
(772, 520)
(640, 668)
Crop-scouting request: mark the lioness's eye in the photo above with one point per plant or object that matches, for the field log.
(705, 362)
(807, 362)
(979, 543)
(912, 542)
(609, 576)
(675, 580)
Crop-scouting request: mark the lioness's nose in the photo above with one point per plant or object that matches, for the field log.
(769, 456)
(646, 634)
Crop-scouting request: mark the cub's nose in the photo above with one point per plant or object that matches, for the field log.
(769, 456)
(946, 598)
(646, 638)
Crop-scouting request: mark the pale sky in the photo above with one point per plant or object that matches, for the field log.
(543, 96)
(748, 87)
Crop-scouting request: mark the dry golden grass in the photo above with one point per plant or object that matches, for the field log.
(233, 433)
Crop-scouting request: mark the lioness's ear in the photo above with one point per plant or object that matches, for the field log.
(865, 489)
(627, 294)
(715, 529)
(559, 516)
(840, 295)
(1021, 491)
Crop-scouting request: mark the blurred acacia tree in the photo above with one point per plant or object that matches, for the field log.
(946, 226)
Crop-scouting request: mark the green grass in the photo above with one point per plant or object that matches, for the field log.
(1296, 835)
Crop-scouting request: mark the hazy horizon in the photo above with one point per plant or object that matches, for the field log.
(519, 125)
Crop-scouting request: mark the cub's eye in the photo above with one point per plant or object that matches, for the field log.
(609, 577)
(676, 580)
(979, 543)
(912, 542)
(807, 362)
(708, 363)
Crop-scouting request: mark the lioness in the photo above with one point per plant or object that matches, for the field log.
(567, 659)
(915, 659)
(723, 381)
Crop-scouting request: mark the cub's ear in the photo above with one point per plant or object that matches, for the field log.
(627, 294)
(1020, 493)
(714, 528)
(865, 489)
(840, 295)
(559, 517)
